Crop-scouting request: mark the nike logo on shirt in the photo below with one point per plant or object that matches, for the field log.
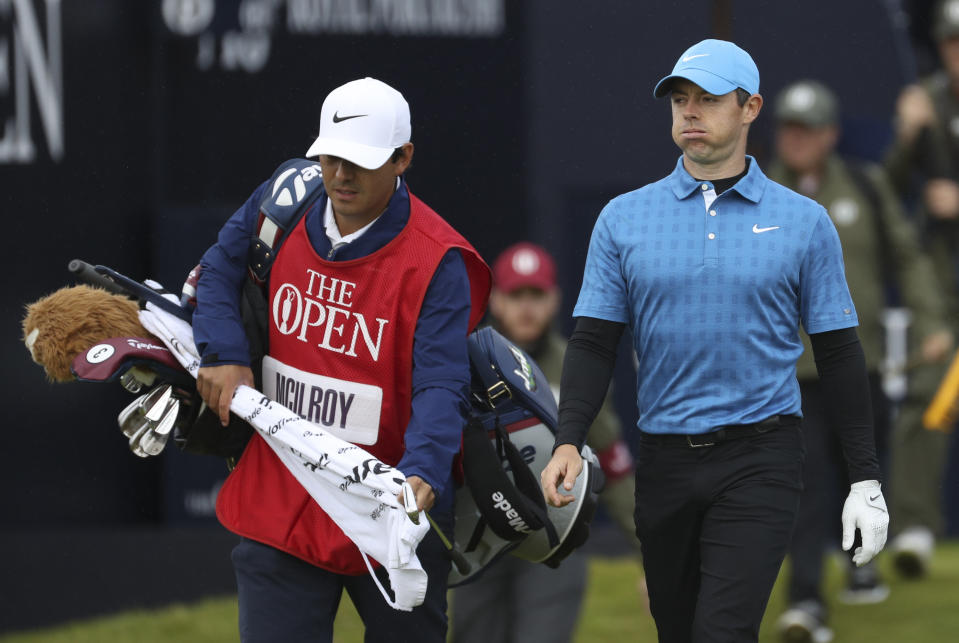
(759, 230)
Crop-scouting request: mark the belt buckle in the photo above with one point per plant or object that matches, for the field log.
(693, 445)
(768, 424)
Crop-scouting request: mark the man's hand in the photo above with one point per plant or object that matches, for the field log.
(941, 197)
(914, 110)
(565, 466)
(424, 493)
(936, 346)
(216, 385)
(865, 509)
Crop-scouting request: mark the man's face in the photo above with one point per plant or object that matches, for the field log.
(804, 149)
(358, 193)
(708, 128)
(524, 314)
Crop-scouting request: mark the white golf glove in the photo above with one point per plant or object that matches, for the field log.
(865, 509)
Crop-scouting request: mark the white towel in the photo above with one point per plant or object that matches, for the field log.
(366, 509)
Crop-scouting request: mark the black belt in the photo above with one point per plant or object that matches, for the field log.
(722, 434)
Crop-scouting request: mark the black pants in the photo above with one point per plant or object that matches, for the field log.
(826, 485)
(714, 523)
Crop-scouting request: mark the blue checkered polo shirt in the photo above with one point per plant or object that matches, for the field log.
(714, 289)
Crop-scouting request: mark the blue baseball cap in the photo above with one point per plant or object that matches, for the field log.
(717, 66)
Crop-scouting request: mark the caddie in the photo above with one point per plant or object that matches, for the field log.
(714, 267)
(370, 299)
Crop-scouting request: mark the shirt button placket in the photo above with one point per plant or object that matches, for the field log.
(711, 251)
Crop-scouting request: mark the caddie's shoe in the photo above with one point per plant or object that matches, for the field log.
(912, 551)
(865, 586)
(804, 622)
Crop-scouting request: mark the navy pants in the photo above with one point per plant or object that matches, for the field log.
(714, 523)
(282, 598)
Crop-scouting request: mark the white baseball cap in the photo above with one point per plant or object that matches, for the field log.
(363, 121)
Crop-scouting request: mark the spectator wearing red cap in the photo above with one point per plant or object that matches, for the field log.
(534, 602)
(525, 297)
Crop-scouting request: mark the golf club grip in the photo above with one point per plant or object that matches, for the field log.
(463, 566)
(84, 272)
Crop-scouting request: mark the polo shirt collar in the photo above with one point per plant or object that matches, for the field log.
(380, 232)
(333, 231)
(750, 186)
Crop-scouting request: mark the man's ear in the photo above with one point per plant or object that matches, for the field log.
(751, 109)
(406, 157)
(834, 136)
(555, 299)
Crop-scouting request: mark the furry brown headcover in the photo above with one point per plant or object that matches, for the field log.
(68, 322)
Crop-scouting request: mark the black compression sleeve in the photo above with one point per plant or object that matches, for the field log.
(842, 374)
(587, 370)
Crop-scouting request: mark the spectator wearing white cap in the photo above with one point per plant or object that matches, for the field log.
(714, 267)
(370, 298)
(534, 602)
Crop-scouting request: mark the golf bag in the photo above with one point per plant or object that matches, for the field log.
(507, 442)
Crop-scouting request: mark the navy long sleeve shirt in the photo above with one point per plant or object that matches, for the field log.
(440, 360)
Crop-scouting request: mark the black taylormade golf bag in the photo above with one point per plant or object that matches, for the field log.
(507, 442)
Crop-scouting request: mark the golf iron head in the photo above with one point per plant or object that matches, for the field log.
(154, 440)
(131, 418)
(148, 420)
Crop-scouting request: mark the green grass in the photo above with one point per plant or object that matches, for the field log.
(923, 611)
(916, 612)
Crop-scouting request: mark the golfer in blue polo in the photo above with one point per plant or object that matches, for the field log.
(714, 268)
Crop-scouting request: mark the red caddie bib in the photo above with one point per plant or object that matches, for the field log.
(341, 356)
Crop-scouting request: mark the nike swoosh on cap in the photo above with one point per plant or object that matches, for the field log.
(758, 230)
(339, 119)
(686, 59)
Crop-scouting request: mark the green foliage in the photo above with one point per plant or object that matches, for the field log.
(916, 611)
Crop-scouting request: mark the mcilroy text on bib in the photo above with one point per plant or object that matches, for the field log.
(348, 410)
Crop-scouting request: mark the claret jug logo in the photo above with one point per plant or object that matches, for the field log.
(323, 316)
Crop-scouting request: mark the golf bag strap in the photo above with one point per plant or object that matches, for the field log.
(476, 536)
(511, 509)
(527, 484)
(866, 185)
(497, 391)
(294, 188)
